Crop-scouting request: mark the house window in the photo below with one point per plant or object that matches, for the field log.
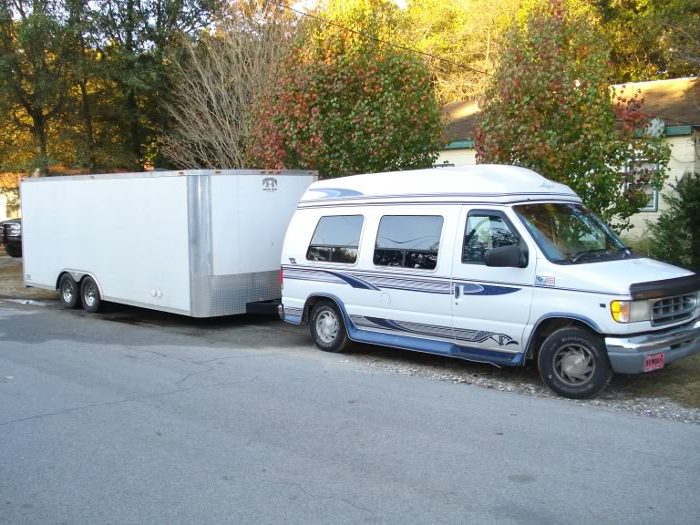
(408, 241)
(653, 201)
(336, 239)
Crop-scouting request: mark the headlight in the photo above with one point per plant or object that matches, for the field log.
(630, 311)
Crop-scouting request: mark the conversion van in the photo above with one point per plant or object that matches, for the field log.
(487, 263)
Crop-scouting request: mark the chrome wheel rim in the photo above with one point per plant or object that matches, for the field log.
(90, 294)
(327, 326)
(574, 364)
(68, 291)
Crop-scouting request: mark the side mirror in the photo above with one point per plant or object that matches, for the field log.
(513, 256)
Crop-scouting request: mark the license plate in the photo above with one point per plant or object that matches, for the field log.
(654, 362)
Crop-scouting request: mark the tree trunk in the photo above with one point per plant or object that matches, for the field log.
(134, 128)
(40, 142)
(87, 122)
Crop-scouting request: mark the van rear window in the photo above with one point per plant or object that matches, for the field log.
(336, 239)
(408, 241)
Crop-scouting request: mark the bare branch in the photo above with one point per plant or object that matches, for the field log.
(215, 87)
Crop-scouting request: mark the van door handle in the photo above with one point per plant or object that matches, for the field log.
(458, 291)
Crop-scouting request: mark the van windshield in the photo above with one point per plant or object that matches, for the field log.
(570, 234)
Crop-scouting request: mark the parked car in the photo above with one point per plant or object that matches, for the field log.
(493, 264)
(11, 237)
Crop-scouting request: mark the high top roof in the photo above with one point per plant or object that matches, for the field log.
(481, 183)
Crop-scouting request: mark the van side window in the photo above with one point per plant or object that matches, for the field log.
(483, 232)
(409, 241)
(336, 239)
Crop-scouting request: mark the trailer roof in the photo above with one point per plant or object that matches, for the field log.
(480, 183)
(155, 174)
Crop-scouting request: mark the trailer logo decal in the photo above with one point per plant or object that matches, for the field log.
(269, 184)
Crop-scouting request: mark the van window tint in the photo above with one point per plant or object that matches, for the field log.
(336, 239)
(409, 241)
(483, 232)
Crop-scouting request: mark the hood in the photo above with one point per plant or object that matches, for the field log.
(611, 276)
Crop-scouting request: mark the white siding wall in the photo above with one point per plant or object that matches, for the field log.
(458, 157)
(683, 160)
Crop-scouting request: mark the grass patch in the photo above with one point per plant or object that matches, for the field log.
(680, 382)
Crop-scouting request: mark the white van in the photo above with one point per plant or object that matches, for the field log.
(487, 263)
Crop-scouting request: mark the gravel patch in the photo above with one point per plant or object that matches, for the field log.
(523, 381)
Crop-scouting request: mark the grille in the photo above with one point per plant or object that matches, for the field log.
(673, 309)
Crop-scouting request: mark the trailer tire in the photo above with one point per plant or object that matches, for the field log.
(90, 295)
(327, 328)
(68, 292)
(573, 363)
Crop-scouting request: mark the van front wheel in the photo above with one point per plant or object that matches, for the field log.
(573, 363)
(328, 328)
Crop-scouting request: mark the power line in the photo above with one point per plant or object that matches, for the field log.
(391, 44)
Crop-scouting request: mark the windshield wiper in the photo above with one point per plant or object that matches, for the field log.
(588, 253)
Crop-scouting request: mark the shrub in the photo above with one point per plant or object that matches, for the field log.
(675, 237)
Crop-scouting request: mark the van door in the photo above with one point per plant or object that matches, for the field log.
(490, 305)
(406, 264)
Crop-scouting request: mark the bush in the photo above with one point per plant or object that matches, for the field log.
(675, 237)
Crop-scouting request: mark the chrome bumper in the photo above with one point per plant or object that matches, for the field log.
(627, 354)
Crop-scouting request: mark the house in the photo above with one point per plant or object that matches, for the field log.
(9, 195)
(676, 101)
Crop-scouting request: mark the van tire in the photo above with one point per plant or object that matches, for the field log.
(573, 363)
(68, 292)
(327, 327)
(90, 295)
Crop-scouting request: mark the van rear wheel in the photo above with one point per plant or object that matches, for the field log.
(573, 363)
(68, 292)
(328, 328)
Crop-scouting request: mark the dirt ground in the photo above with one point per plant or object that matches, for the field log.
(679, 383)
(11, 285)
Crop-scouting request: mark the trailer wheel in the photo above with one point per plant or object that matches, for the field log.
(328, 328)
(573, 363)
(90, 295)
(68, 292)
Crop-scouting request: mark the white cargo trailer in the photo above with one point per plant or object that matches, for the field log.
(201, 243)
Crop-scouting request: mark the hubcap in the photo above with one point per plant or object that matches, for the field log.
(327, 326)
(90, 295)
(574, 364)
(68, 290)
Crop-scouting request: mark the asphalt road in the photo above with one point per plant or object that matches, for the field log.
(108, 420)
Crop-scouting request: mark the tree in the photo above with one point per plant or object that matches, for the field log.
(549, 108)
(134, 39)
(461, 38)
(35, 59)
(651, 39)
(214, 85)
(346, 102)
(675, 236)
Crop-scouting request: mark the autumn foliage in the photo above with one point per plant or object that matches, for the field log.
(550, 108)
(346, 103)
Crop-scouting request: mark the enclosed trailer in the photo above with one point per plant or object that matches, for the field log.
(201, 243)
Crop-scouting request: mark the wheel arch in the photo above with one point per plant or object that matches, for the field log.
(314, 299)
(549, 323)
(78, 276)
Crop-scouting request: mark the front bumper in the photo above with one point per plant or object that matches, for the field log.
(627, 354)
